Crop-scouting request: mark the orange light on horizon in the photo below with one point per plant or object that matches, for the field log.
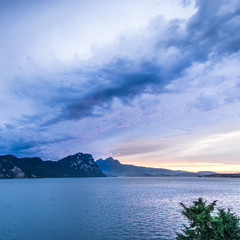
(190, 167)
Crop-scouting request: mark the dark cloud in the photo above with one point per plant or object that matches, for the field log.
(125, 84)
(208, 35)
(211, 28)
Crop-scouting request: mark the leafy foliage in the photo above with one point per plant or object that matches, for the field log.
(207, 224)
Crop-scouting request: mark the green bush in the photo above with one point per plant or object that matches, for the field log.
(206, 223)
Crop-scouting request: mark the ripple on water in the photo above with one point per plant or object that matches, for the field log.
(105, 208)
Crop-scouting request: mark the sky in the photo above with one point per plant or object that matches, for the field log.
(151, 83)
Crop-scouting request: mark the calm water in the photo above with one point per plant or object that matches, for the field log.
(104, 208)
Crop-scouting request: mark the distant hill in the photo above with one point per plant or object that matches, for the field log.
(112, 167)
(78, 165)
(226, 175)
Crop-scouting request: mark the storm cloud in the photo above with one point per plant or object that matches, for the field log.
(206, 36)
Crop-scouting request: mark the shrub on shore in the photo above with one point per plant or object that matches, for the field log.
(206, 223)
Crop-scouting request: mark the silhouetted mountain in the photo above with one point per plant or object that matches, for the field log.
(78, 165)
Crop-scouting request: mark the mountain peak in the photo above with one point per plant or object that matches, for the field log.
(108, 161)
(81, 162)
(9, 156)
(112, 160)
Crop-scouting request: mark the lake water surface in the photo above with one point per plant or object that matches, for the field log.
(105, 208)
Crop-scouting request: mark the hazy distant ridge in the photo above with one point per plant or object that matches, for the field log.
(112, 167)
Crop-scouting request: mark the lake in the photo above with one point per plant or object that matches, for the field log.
(105, 208)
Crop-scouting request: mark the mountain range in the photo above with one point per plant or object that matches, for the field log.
(80, 165)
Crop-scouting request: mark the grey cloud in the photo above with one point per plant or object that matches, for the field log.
(208, 35)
